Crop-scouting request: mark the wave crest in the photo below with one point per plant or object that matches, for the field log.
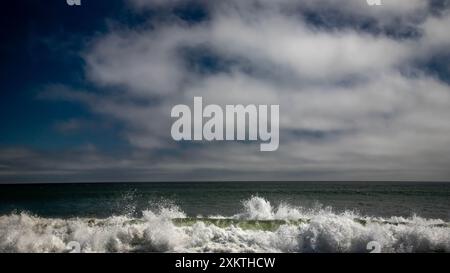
(259, 228)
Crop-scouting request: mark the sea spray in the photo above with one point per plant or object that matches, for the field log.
(295, 230)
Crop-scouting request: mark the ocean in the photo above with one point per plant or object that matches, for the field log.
(226, 217)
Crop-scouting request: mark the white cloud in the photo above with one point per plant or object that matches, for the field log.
(436, 37)
(142, 62)
(347, 104)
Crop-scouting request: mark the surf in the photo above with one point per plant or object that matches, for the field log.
(258, 227)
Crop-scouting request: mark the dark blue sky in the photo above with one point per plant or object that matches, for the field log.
(42, 42)
(41, 45)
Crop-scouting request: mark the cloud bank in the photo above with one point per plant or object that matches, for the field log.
(359, 98)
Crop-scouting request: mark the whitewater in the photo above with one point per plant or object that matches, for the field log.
(259, 227)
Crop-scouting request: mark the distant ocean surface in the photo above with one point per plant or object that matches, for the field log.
(226, 217)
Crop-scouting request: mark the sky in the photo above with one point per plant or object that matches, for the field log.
(86, 91)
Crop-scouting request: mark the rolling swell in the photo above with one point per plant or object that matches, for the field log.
(259, 228)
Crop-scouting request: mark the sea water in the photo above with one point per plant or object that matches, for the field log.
(226, 217)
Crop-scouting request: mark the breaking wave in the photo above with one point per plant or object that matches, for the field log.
(259, 228)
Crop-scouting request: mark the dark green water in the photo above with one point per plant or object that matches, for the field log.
(429, 200)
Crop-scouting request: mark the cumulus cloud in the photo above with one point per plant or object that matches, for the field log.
(353, 102)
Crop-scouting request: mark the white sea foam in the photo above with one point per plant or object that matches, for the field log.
(324, 231)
